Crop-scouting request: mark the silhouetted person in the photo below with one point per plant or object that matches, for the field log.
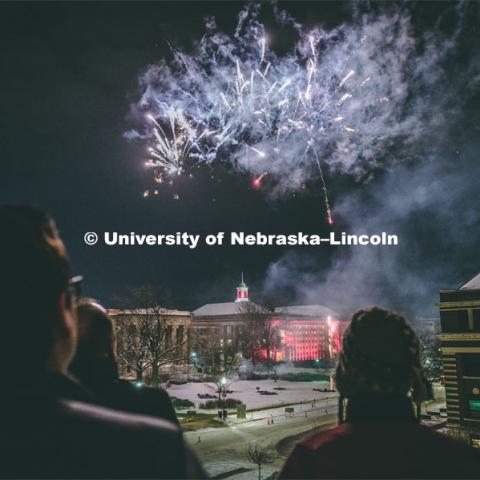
(47, 427)
(379, 374)
(95, 366)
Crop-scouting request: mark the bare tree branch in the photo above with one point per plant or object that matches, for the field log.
(144, 333)
(261, 334)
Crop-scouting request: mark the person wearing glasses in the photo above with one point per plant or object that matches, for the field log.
(50, 426)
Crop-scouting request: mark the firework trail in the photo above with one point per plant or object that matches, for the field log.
(339, 99)
(257, 181)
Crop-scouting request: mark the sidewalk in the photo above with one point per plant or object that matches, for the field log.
(301, 409)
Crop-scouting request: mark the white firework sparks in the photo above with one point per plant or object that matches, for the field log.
(338, 99)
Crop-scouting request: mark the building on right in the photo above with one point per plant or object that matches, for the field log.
(460, 343)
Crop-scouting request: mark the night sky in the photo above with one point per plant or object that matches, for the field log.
(69, 77)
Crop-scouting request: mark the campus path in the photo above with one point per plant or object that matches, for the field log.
(223, 450)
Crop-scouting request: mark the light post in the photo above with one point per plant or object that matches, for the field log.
(317, 365)
(223, 389)
(223, 383)
(193, 359)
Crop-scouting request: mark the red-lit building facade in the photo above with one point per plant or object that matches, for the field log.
(306, 332)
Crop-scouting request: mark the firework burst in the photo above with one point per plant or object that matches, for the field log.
(337, 100)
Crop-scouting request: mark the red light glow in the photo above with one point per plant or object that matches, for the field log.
(306, 340)
(257, 182)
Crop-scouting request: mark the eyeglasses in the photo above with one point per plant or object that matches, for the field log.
(75, 286)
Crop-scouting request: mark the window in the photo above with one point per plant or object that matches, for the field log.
(454, 321)
(474, 407)
(476, 319)
(469, 379)
(168, 336)
(471, 364)
(179, 334)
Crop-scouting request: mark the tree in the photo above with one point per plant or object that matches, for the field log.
(218, 356)
(144, 333)
(259, 455)
(132, 352)
(261, 332)
(430, 355)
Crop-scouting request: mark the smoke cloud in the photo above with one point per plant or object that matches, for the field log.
(351, 100)
(431, 204)
(433, 207)
(375, 99)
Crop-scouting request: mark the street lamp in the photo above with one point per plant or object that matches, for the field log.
(317, 364)
(223, 389)
(193, 359)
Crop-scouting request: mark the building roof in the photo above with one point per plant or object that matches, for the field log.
(473, 284)
(238, 308)
(147, 311)
(307, 311)
(218, 309)
(229, 308)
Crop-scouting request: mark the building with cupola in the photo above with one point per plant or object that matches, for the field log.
(306, 332)
(302, 333)
(242, 292)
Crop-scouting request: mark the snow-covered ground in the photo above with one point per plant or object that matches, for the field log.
(246, 391)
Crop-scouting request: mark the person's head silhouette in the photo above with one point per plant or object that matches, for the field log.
(380, 359)
(95, 360)
(38, 296)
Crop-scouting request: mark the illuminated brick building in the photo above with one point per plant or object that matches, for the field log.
(304, 333)
(133, 340)
(307, 332)
(176, 323)
(460, 340)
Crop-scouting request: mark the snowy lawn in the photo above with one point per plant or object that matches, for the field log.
(246, 391)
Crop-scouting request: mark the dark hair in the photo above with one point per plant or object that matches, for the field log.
(34, 273)
(96, 336)
(95, 357)
(380, 355)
